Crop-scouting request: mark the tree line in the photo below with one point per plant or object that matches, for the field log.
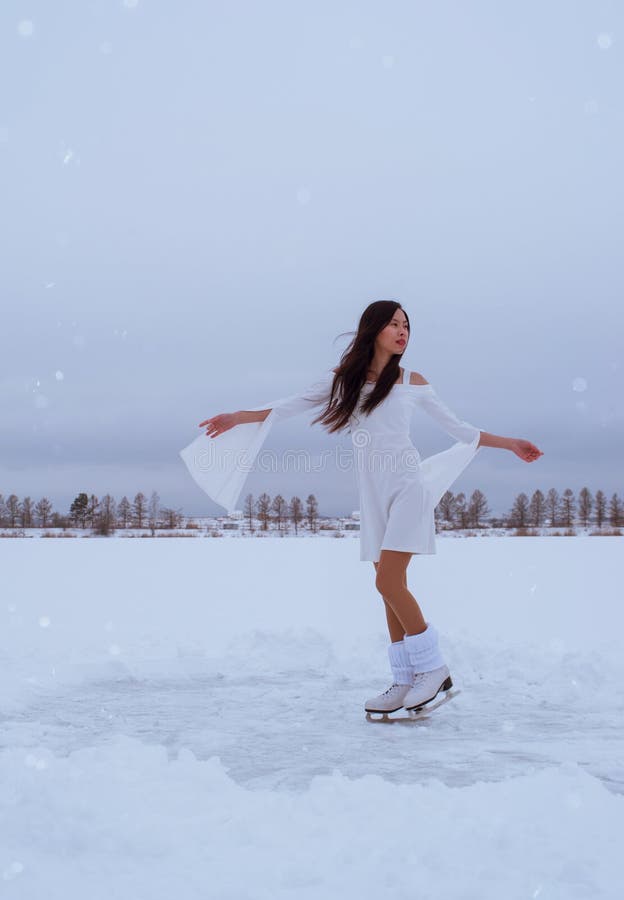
(281, 512)
(453, 511)
(554, 509)
(103, 515)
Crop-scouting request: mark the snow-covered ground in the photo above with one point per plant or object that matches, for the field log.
(184, 718)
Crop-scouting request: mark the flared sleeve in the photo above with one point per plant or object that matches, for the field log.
(220, 465)
(440, 470)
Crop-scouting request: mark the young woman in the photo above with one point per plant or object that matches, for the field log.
(371, 396)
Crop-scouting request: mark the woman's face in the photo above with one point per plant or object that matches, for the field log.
(394, 337)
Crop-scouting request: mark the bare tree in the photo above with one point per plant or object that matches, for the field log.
(296, 512)
(586, 502)
(92, 509)
(601, 508)
(568, 507)
(14, 508)
(552, 506)
(461, 511)
(263, 505)
(27, 512)
(105, 517)
(153, 510)
(312, 513)
(139, 510)
(123, 511)
(248, 510)
(445, 510)
(477, 508)
(537, 509)
(520, 511)
(43, 511)
(171, 518)
(278, 506)
(616, 511)
(58, 520)
(4, 512)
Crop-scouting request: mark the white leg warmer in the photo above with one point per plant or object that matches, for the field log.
(423, 651)
(402, 671)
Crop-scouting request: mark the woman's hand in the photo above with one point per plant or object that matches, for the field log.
(525, 449)
(218, 424)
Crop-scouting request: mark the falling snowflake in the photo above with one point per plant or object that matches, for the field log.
(68, 155)
(604, 41)
(303, 196)
(387, 61)
(131, 4)
(13, 869)
(44, 621)
(25, 28)
(573, 800)
(579, 384)
(59, 375)
(35, 762)
(114, 649)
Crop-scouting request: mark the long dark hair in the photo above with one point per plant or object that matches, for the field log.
(350, 374)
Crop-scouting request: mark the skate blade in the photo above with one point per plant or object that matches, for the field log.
(413, 715)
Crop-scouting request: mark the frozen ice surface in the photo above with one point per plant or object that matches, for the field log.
(190, 721)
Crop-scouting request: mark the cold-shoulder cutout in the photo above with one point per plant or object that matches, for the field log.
(416, 378)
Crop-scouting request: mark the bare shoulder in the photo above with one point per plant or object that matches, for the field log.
(417, 378)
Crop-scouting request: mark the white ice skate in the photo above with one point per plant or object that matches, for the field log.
(426, 687)
(390, 700)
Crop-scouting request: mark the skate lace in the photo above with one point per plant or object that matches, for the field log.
(390, 689)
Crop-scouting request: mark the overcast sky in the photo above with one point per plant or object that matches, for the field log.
(197, 198)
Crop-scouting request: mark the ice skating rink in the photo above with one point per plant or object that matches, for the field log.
(184, 717)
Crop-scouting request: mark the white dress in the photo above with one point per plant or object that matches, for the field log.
(398, 490)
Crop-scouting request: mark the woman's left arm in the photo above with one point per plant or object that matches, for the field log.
(465, 431)
(522, 448)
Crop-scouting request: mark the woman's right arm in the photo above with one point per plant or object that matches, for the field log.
(315, 395)
(224, 421)
(250, 415)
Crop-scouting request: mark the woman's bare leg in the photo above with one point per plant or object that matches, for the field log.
(395, 628)
(391, 582)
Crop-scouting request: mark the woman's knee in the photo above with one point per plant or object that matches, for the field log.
(388, 583)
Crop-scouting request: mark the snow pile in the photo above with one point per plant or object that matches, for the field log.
(124, 818)
(187, 720)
